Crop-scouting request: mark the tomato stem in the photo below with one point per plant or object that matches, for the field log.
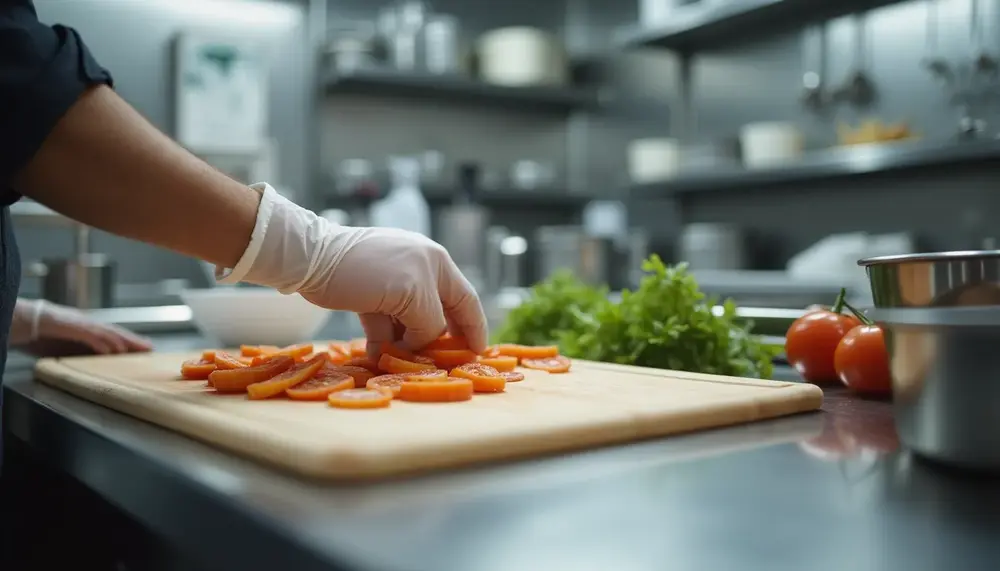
(861, 316)
(838, 304)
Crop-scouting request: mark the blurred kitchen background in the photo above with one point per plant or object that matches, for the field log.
(768, 143)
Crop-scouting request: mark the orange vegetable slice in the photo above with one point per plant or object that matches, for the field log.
(338, 358)
(557, 364)
(485, 379)
(300, 351)
(447, 343)
(363, 362)
(358, 347)
(197, 369)
(386, 383)
(278, 384)
(224, 361)
(501, 363)
(359, 374)
(435, 375)
(360, 398)
(527, 351)
(491, 351)
(257, 350)
(401, 354)
(395, 365)
(512, 376)
(340, 347)
(208, 355)
(450, 358)
(327, 380)
(450, 389)
(237, 380)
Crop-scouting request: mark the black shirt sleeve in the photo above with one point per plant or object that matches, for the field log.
(43, 71)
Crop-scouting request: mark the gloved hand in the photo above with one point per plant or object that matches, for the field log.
(388, 277)
(37, 320)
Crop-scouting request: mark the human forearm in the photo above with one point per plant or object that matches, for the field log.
(107, 167)
(24, 324)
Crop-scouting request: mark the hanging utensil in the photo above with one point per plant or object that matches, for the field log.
(858, 90)
(938, 67)
(814, 44)
(983, 62)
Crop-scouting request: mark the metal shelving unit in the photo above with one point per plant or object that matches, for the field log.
(839, 162)
(459, 89)
(709, 25)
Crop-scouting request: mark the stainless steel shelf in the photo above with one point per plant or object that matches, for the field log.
(840, 162)
(389, 82)
(708, 25)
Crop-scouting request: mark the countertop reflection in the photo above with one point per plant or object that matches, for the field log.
(827, 490)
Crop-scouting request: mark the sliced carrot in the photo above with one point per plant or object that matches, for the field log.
(208, 355)
(447, 343)
(340, 347)
(501, 363)
(389, 383)
(527, 351)
(395, 365)
(360, 398)
(363, 362)
(224, 361)
(257, 350)
(237, 380)
(485, 379)
(448, 390)
(402, 354)
(491, 351)
(557, 364)
(294, 351)
(450, 358)
(260, 360)
(358, 347)
(327, 380)
(435, 375)
(512, 376)
(197, 369)
(338, 358)
(359, 374)
(278, 384)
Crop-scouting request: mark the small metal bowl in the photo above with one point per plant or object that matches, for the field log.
(943, 279)
(946, 382)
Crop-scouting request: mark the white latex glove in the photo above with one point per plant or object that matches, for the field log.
(37, 320)
(388, 277)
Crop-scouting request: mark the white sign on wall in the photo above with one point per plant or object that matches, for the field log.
(220, 95)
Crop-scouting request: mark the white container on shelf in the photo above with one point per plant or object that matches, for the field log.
(522, 56)
(769, 144)
(653, 160)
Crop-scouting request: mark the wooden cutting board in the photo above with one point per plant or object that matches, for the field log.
(595, 404)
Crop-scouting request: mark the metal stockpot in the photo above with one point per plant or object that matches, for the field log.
(85, 282)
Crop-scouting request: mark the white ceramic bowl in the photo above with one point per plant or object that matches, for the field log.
(254, 316)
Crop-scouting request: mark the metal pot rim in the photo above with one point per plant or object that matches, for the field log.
(967, 316)
(929, 257)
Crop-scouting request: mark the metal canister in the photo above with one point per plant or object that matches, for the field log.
(85, 282)
(440, 44)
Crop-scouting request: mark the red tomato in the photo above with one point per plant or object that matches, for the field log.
(862, 361)
(812, 340)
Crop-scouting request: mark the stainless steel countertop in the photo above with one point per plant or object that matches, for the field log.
(788, 494)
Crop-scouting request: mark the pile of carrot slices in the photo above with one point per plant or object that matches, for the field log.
(343, 375)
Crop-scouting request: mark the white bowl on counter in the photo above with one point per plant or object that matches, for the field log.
(234, 316)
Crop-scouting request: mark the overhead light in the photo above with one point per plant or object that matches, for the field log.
(235, 12)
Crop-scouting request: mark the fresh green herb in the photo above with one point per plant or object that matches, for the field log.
(667, 322)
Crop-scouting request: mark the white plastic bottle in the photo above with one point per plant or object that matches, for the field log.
(404, 207)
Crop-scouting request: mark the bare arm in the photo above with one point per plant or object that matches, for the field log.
(106, 166)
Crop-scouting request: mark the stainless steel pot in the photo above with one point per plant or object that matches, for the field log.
(942, 279)
(85, 282)
(946, 382)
